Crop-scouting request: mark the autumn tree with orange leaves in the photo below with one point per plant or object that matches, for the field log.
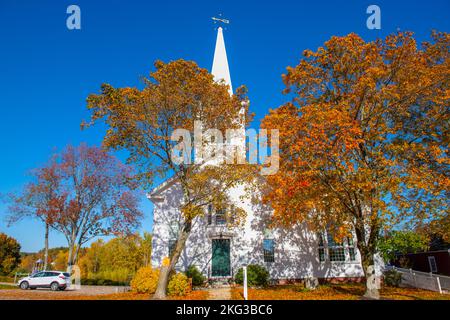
(364, 141)
(142, 122)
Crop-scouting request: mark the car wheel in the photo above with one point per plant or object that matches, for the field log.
(24, 285)
(54, 286)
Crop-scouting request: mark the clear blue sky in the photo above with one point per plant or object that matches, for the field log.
(47, 71)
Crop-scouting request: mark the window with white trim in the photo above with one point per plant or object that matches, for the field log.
(336, 250)
(269, 250)
(209, 215)
(221, 218)
(331, 249)
(321, 247)
(351, 248)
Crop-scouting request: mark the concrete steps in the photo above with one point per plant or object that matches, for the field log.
(219, 282)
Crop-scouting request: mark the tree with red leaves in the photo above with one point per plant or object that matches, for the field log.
(82, 192)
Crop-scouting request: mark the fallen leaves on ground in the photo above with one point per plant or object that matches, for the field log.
(194, 295)
(334, 292)
(17, 294)
(392, 293)
(286, 292)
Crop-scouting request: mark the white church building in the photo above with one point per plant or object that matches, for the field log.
(218, 251)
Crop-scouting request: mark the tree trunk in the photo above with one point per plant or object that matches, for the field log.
(46, 247)
(372, 281)
(167, 268)
(70, 258)
(72, 254)
(77, 252)
(367, 234)
(163, 281)
(366, 242)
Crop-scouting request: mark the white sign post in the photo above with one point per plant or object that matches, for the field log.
(245, 283)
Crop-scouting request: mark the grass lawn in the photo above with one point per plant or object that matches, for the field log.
(6, 279)
(352, 291)
(6, 287)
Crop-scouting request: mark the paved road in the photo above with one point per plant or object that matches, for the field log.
(47, 294)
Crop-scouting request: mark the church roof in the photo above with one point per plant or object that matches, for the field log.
(154, 195)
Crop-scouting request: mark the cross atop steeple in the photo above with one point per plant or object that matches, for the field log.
(220, 68)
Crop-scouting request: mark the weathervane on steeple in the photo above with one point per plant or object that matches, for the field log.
(220, 69)
(221, 21)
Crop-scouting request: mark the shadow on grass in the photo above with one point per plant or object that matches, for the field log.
(341, 291)
(350, 289)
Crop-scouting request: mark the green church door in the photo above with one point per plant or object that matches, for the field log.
(220, 258)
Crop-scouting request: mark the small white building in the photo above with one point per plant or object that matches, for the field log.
(219, 251)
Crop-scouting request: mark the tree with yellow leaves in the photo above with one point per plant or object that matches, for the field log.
(364, 142)
(177, 95)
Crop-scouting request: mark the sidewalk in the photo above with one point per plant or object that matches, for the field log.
(219, 294)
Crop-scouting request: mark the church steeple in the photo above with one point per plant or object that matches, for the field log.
(220, 71)
(220, 68)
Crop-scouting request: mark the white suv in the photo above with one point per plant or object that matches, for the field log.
(55, 280)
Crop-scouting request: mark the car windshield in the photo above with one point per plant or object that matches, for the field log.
(66, 274)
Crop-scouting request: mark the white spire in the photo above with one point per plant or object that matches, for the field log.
(220, 68)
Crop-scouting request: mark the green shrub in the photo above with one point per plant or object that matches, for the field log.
(257, 276)
(110, 277)
(392, 278)
(102, 282)
(88, 282)
(197, 277)
(119, 277)
(178, 285)
(6, 278)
